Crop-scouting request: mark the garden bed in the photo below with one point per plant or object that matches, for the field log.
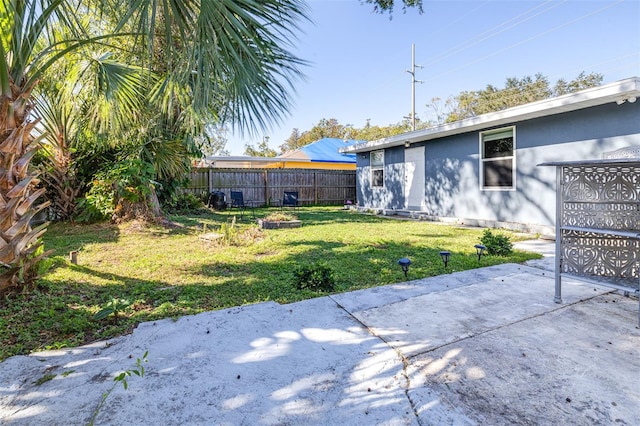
(278, 224)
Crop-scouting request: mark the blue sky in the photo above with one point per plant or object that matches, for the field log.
(358, 59)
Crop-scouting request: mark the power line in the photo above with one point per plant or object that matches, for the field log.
(502, 93)
(517, 20)
(450, 71)
(492, 32)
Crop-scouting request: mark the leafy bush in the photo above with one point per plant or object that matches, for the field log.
(317, 277)
(128, 180)
(94, 207)
(497, 244)
(183, 203)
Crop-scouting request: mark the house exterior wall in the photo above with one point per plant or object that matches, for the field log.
(390, 196)
(452, 167)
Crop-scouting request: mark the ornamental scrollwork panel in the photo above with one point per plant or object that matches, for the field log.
(618, 216)
(603, 197)
(626, 152)
(601, 183)
(590, 254)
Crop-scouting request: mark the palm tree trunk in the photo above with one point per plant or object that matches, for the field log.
(19, 243)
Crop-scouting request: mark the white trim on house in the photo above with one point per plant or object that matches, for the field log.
(243, 161)
(376, 167)
(482, 160)
(619, 92)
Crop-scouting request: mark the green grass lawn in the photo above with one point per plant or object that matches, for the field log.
(173, 272)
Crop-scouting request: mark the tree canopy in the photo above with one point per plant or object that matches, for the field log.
(331, 128)
(262, 149)
(516, 91)
(387, 6)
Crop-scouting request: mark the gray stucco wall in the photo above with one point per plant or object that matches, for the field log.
(390, 196)
(452, 186)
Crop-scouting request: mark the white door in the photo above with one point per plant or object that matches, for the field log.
(414, 178)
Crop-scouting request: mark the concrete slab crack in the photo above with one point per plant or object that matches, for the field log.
(401, 356)
(492, 329)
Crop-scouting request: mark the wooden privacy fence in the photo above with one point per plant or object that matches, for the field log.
(266, 186)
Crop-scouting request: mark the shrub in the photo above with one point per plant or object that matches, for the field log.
(317, 277)
(497, 244)
(126, 181)
(183, 203)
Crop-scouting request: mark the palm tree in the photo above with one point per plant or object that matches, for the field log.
(225, 59)
(87, 93)
(59, 126)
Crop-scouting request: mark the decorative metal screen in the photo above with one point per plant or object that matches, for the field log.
(596, 255)
(598, 222)
(627, 152)
(607, 198)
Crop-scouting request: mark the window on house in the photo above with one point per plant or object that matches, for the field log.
(497, 162)
(377, 168)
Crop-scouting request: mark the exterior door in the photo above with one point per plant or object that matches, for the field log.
(414, 178)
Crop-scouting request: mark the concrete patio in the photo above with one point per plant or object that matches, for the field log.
(487, 346)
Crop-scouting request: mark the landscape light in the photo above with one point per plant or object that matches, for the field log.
(445, 257)
(404, 264)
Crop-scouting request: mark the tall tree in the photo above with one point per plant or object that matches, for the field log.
(87, 92)
(262, 150)
(292, 142)
(325, 128)
(226, 60)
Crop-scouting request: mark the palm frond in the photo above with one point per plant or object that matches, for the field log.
(232, 55)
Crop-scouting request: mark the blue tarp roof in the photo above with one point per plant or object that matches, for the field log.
(326, 150)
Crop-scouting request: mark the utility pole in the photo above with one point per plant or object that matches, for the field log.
(412, 71)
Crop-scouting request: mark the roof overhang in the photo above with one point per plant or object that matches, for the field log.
(619, 92)
(243, 161)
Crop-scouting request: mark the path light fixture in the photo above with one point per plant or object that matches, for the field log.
(480, 248)
(404, 264)
(445, 257)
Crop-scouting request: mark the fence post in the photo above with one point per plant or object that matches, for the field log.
(315, 188)
(266, 188)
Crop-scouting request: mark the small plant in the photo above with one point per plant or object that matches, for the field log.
(137, 369)
(497, 244)
(280, 217)
(114, 306)
(229, 232)
(317, 277)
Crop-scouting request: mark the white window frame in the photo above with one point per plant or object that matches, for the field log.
(483, 160)
(376, 167)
